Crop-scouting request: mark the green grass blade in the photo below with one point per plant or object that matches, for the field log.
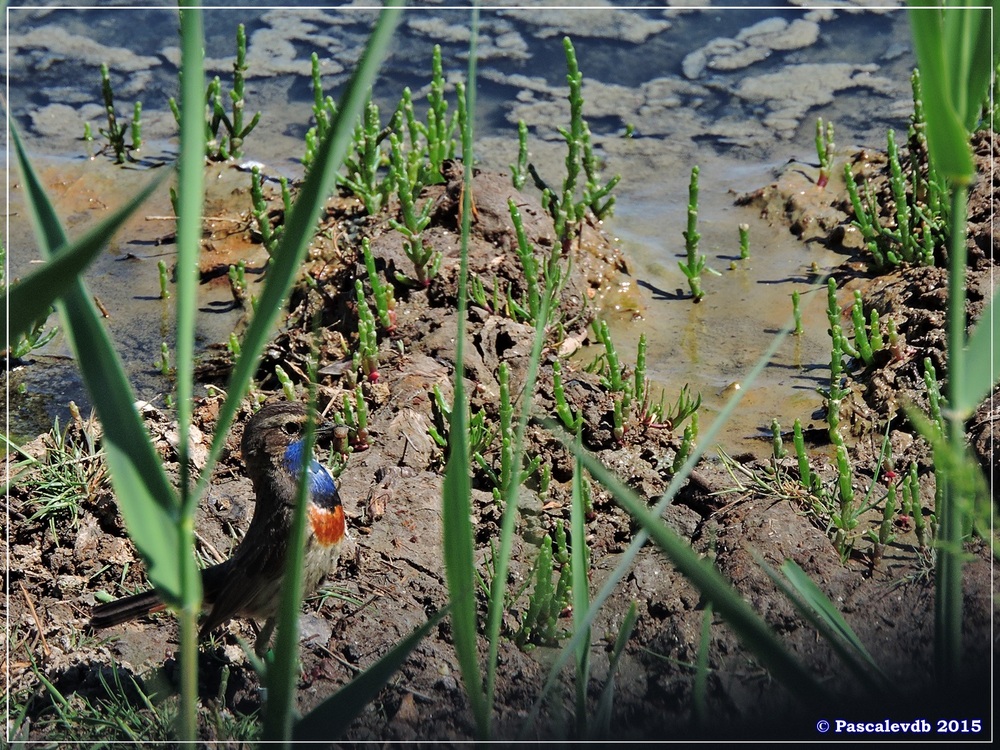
(459, 552)
(498, 588)
(458, 542)
(31, 298)
(982, 365)
(816, 607)
(755, 635)
(190, 202)
(581, 593)
(984, 63)
(146, 499)
(605, 704)
(331, 718)
(966, 32)
(947, 137)
(300, 225)
(955, 33)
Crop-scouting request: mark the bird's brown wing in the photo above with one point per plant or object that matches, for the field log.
(249, 583)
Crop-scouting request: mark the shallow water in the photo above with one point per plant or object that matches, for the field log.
(733, 90)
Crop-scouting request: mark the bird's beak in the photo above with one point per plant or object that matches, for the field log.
(325, 430)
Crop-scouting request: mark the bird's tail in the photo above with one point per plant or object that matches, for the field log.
(125, 609)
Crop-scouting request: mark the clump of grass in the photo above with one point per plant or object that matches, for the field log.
(836, 505)
(128, 711)
(630, 392)
(70, 472)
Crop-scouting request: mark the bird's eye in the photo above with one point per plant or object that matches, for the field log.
(290, 427)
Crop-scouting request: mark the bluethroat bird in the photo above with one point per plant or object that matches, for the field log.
(248, 584)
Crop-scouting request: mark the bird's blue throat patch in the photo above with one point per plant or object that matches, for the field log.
(322, 489)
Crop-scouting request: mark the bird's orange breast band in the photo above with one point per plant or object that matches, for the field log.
(327, 525)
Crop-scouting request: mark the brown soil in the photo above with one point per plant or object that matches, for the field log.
(391, 577)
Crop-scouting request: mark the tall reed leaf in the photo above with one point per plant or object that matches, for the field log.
(459, 549)
(817, 608)
(190, 199)
(282, 673)
(982, 365)
(955, 56)
(953, 52)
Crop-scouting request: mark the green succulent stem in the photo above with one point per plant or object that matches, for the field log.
(695, 263)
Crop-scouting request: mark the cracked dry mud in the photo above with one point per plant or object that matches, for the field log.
(391, 576)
